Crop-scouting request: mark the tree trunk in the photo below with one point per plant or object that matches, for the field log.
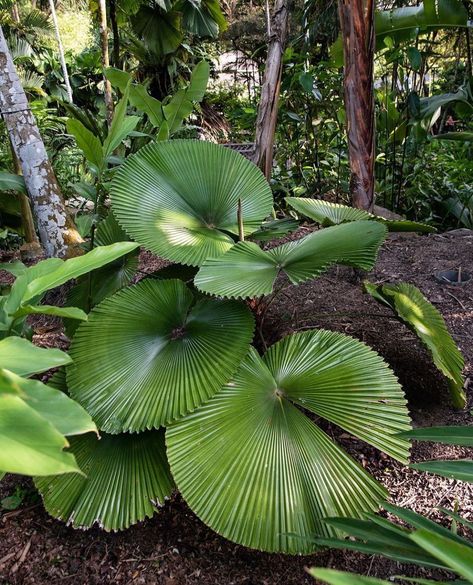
(15, 13)
(61, 51)
(116, 34)
(268, 106)
(357, 24)
(105, 60)
(57, 232)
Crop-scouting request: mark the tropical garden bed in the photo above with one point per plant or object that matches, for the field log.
(175, 547)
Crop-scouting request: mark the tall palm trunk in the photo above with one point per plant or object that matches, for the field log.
(105, 59)
(61, 51)
(57, 232)
(357, 23)
(268, 106)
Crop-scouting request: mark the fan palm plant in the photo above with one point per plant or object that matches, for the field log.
(169, 376)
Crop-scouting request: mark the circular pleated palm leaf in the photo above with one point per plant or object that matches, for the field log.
(248, 271)
(411, 307)
(125, 478)
(255, 468)
(151, 353)
(180, 198)
(327, 214)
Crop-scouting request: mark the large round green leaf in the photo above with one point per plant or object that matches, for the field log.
(180, 198)
(247, 271)
(150, 354)
(255, 468)
(326, 214)
(126, 476)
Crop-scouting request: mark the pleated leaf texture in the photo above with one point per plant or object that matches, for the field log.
(327, 214)
(126, 478)
(410, 305)
(248, 271)
(151, 353)
(254, 466)
(179, 199)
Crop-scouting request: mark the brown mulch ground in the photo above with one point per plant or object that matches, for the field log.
(175, 548)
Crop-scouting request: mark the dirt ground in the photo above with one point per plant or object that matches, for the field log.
(174, 547)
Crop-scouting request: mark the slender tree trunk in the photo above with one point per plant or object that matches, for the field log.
(116, 33)
(57, 232)
(61, 51)
(105, 60)
(357, 24)
(268, 106)
(15, 13)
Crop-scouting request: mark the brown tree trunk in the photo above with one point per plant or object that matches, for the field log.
(268, 106)
(57, 232)
(357, 24)
(105, 60)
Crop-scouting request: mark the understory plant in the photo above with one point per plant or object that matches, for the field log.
(181, 398)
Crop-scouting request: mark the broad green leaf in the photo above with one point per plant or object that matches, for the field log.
(161, 32)
(87, 142)
(75, 267)
(64, 312)
(66, 416)
(177, 110)
(341, 578)
(29, 444)
(254, 271)
(95, 286)
(411, 307)
(168, 354)
(125, 478)
(461, 469)
(451, 435)
(198, 82)
(16, 268)
(118, 77)
(456, 556)
(153, 108)
(12, 182)
(121, 125)
(23, 358)
(203, 18)
(163, 133)
(458, 136)
(241, 457)
(328, 214)
(185, 211)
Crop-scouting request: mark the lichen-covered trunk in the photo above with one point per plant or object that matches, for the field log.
(61, 51)
(268, 106)
(57, 233)
(357, 24)
(105, 60)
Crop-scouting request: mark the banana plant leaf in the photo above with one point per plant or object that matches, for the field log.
(255, 468)
(457, 136)
(379, 536)
(67, 417)
(254, 271)
(412, 308)
(23, 358)
(461, 469)
(328, 214)
(334, 577)
(95, 286)
(187, 212)
(124, 478)
(457, 556)
(152, 353)
(451, 435)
